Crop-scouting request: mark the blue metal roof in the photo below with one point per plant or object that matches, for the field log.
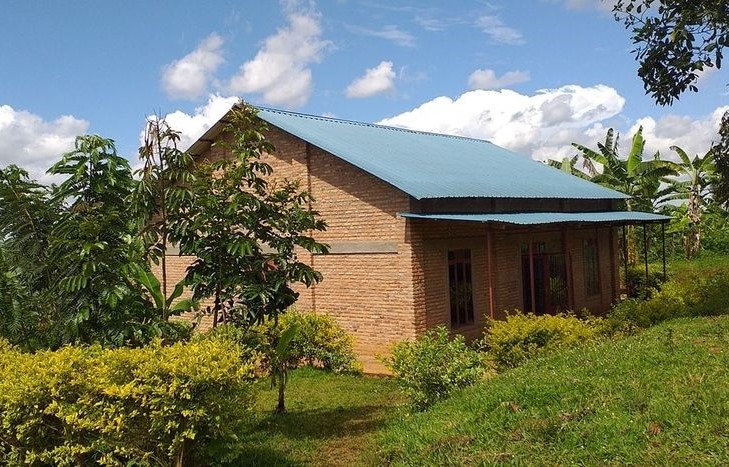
(537, 218)
(429, 165)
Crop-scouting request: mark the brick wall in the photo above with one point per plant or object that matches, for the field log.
(370, 290)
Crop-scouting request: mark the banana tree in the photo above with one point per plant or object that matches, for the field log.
(693, 186)
(643, 179)
(569, 165)
(638, 177)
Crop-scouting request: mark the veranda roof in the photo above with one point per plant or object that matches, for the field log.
(541, 218)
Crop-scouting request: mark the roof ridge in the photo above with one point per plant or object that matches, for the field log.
(366, 124)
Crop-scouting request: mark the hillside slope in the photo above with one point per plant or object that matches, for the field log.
(658, 398)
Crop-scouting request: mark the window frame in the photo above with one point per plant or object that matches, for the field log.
(460, 276)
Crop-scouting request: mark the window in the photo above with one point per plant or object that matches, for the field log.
(460, 286)
(592, 269)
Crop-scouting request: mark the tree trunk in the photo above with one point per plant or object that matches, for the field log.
(281, 406)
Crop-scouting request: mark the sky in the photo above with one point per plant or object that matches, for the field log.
(530, 75)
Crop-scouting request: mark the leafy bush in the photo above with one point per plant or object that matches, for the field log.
(322, 342)
(521, 336)
(639, 287)
(319, 342)
(147, 406)
(432, 367)
(695, 294)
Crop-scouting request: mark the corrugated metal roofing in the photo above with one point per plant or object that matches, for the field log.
(429, 165)
(538, 218)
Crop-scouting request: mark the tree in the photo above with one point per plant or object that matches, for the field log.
(720, 151)
(245, 229)
(640, 179)
(676, 40)
(569, 165)
(693, 185)
(95, 247)
(28, 313)
(162, 191)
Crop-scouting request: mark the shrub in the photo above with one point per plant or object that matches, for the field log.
(699, 294)
(319, 342)
(521, 336)
(432, 367)
(639, 286)
(146, 406)
(322, 342)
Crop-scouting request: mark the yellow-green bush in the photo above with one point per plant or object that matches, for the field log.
(521, 336)
(147, 406)
(320, 341)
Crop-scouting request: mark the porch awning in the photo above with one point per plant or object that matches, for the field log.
(540, 218)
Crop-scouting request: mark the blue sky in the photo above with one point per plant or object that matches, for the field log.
(530, 75)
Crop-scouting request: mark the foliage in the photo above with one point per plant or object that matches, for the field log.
(150, 406)
(433, 366)
(569, 165)
(676, 40)
(641, 287)
(94, 246)
(70, 253)
(29, 315)
(321, 342)
(694, 188)
(296, 339)
(720, 150)
(634, 176)
(161, 193)
(519, 337)
(244, 230)
(715, 233)
(697, 294)
(658, 398)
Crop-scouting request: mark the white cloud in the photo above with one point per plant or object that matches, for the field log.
(189, 77)
(695, 136)
(33, 143)
(498, 31)
(280, 72)
(375, 81)
(522, 123)
(487, 79)
(193, 126)
(390, 32)
(545, 125)
(603, 5)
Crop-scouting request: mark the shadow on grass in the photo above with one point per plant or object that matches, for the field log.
(262, 456)
(323, 423)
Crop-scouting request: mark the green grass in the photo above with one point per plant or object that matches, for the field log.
(704, 264)
(331, 420)
(661, 397)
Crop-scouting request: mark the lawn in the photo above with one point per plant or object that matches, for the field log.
(331, 420)
(657, 398)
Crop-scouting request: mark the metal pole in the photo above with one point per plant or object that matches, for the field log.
(663, 242)
(625, 261)
(489, 262)
(531, 276)
(645, 252)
